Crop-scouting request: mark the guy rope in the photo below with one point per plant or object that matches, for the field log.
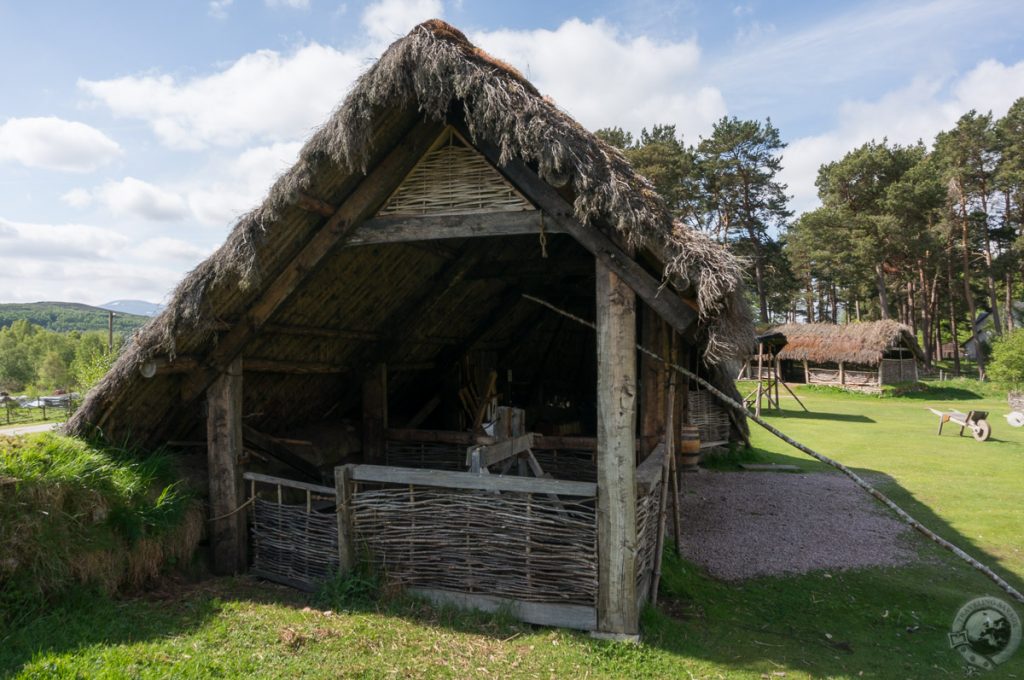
(888, 502)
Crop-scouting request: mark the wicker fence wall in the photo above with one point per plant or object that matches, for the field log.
(525, 546)
(647, 519)
(710, 417)
(295, 543)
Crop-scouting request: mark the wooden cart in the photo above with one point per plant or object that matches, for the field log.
(973, 420)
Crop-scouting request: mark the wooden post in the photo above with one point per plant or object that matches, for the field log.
(617, 611)
(224, 448)
(343, 506)
(778, 372)
(842, 374)
(375, 414)
(807, 373)
(760, 378)
(652, 392)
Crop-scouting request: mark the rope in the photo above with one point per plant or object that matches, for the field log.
(543, 238)
(241, 507)
(885, 500)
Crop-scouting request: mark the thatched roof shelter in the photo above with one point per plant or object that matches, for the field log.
(301, 278)
(864, 343)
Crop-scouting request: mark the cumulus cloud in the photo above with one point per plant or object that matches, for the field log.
(603, 78)
(132, 197)
(239, 184)
(55, 144)
(82, 262)
(293, 4)
(919, 110)
(264, 96)
(387, 20)
(77, 198)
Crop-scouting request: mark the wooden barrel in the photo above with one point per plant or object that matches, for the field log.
(689, 447)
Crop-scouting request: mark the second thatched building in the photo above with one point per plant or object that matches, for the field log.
(861, 356)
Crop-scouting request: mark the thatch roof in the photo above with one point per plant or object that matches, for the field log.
(859, 343)
(432, 74)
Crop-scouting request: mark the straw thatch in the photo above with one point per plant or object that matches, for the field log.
(432, 74)
(858, 343)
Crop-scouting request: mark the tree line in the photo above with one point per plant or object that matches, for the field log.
(930, 235)
(36, 360)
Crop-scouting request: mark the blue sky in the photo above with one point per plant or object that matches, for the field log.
(132, 134)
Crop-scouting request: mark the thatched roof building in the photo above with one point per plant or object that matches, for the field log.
(857, 343)
(866, 353)
(391, 268)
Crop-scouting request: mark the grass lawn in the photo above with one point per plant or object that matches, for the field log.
(875, 623)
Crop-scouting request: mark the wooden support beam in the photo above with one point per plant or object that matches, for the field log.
(375, 413)
(224, 448)
(652, 391)
(495, 453)
(617, 610)
(358, 206)
(667, 304)
(436, 227)
(437, 436)
(385, 474)
(292, 367)
(279, 451)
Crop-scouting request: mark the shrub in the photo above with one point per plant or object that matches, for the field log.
(1007, 364)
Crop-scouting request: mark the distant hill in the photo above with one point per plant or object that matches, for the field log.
(68, 316)
(137, 307)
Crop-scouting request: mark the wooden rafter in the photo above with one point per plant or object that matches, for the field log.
(359, 205)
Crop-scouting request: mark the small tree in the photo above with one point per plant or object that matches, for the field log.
(1007, 364)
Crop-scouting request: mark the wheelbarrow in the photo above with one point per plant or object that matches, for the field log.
(973, 420)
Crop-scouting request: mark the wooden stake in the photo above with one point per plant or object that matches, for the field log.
(224, 447)
(617, 610)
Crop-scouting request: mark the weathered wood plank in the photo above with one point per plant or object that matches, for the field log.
(575, 616)
(224, 447)
(436, 227)
(358, 206)
(290, 483)
(648, 473)
(617, 610)
(545, 441)
(467, 480)
(495, 453)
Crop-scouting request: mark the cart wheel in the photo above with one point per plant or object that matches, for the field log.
(983, 431)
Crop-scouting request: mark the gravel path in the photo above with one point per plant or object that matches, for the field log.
(745, 524)
(28, 429)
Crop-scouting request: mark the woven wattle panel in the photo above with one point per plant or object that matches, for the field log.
(648, 518)
(710, 417)
(454, 180)
(524, 546)
(293, 545)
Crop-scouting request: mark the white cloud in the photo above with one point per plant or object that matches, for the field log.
(293, 4)
(218, 9)
(82, 262)
(920, 110)
(387, 20)
(55, 144)
(77, 198)
(134, 198)
(604, 78)
(238, 185)
(264, 96)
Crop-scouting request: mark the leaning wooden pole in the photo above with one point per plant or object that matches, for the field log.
(882, 498)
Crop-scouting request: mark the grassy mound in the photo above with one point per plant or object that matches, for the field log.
(78, 514)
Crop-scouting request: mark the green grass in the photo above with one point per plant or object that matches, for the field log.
(872, 623)
(75, 514)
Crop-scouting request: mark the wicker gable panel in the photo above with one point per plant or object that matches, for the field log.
(453, 179)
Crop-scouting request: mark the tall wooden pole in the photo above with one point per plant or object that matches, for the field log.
(760, 378)
(375, 414)
(617, 609)
(224, 447)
